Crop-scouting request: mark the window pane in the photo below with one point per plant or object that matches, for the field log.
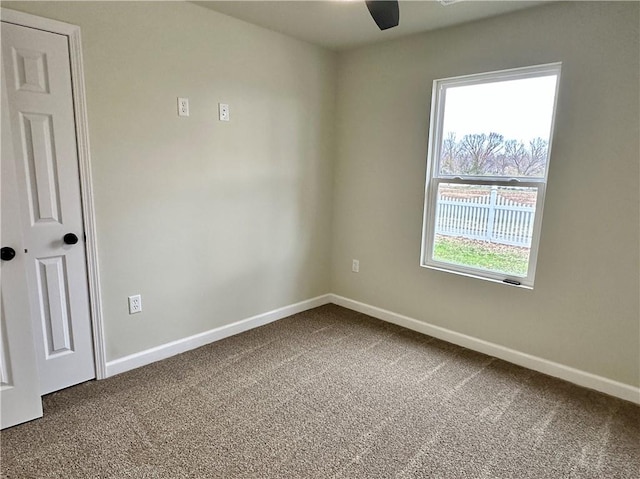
(486, 227)
(500, 128)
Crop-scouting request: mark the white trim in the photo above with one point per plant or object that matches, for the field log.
(40, 23)
(576, 376)
(84, 162)
(167, 350)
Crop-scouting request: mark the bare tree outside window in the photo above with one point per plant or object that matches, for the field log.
(489, 154)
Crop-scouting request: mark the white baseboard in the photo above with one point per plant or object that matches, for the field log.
(576, 376)
(167, 350)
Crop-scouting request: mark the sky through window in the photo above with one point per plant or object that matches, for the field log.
(499, 106)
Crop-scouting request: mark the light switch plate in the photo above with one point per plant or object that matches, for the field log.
(183, 107)
(223, 111)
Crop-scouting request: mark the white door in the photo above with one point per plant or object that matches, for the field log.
(19, 386)
(42, 124)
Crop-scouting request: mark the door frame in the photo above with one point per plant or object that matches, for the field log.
(72, 32)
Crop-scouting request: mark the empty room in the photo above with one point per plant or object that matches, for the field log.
(320, 239)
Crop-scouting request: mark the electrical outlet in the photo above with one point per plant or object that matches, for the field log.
(183, 107)
(223, 111)
(355, 266)
(135, 304)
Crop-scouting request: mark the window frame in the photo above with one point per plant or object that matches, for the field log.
(434, 178)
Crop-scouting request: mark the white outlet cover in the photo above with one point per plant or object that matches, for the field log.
(135, 304)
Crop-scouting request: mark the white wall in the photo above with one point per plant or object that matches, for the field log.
(211, 222)
(584, 310)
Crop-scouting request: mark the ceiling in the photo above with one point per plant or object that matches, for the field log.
(341, 24)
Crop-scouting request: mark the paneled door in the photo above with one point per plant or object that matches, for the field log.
(19, 386)
(41, 120)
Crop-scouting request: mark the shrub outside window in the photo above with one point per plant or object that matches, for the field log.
(487, 168)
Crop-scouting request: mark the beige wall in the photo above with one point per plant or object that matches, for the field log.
(214, 222)
(211, 222)
(583, 311)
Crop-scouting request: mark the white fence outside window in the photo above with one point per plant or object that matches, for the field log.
(492, 218)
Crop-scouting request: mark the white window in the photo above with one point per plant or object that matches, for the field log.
(489, 147)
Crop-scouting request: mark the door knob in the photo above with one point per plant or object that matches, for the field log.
(70, 238)
(7, 253)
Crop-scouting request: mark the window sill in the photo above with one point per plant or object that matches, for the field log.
(478, 276)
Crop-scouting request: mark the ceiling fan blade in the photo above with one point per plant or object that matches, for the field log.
(385, 13)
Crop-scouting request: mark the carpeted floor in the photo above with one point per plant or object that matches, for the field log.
(328, 393)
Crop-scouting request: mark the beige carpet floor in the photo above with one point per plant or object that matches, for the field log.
(328, 393)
